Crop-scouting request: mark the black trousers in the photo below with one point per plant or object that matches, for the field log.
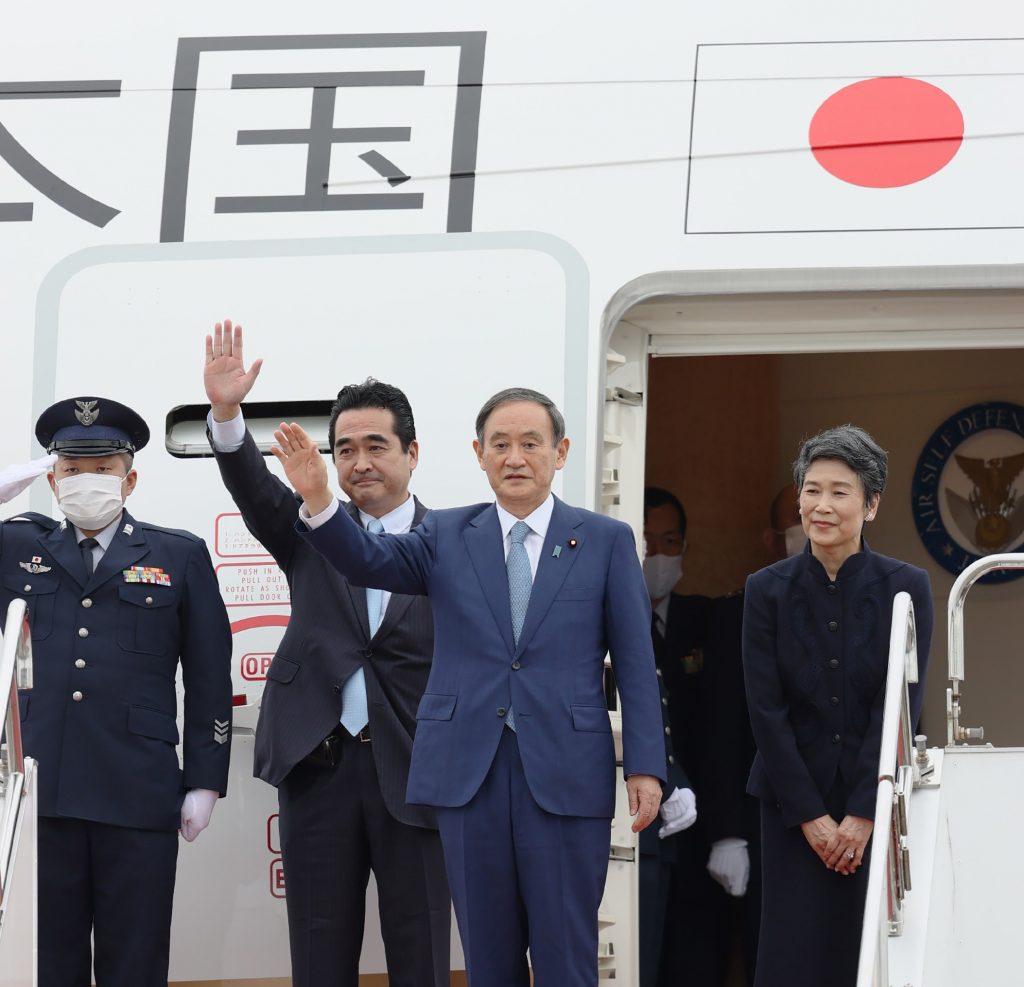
(698, 930)
(112, 883)
(335, 829)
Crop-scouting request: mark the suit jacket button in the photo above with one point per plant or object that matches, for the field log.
(77, 696)
(368, 652)
(87, 602)
(833, 663)
(833, 589)
(671, 759)
(516, 666)
(664, 701)
(836, 738)
(502, 711)
(668, 731)
(833, 625)
(149, 601)
(657, 672)
(80, 663)
(28, 588)
(83, 631)
(337, 689)
(834, 700)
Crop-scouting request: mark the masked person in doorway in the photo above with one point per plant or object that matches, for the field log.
(696, 939)
(115, 604)
(816, 632)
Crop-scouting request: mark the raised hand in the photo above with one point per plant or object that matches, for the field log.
(303, 465)
(225, 377)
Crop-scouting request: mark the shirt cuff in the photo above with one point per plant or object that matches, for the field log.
(227, 436)
(313, 522)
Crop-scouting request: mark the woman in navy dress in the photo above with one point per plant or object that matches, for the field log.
(815, 656)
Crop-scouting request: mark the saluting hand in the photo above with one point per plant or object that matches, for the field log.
(644, 800)
(303, 465)
(225, 377)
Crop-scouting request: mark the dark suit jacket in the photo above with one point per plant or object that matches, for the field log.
(727, 810)
(588, 598)
(101, 716)
(326, 640)
(815, 656)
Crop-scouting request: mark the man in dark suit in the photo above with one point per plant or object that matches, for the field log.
(696, 950)
(338, 714)
(513, 741)
(114, 605)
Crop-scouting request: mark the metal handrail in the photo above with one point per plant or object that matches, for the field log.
(15, 674)
(889, 870)
(955, 617)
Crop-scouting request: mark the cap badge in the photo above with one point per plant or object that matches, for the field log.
(87, 413)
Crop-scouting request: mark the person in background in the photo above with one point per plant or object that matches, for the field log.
(815, 657)
(696, 943)
(665, 543)
(732, 816)
(338, 714)
(115, 605)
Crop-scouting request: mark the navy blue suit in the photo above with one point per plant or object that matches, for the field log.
(526, 859)
(101, 722)
(815, 658)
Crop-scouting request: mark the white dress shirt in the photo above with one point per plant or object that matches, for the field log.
(537, 522)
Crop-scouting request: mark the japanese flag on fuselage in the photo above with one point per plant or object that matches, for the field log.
(888, 135)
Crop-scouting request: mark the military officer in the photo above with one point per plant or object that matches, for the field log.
(114, 605)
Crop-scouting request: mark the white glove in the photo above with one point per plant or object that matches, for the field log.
(16, 478)
(729, 864)
(196, 811)
(678, 811)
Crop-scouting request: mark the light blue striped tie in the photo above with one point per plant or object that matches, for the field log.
(520, 583)
(354, 712)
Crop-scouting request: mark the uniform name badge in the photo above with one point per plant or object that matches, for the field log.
(153, 575)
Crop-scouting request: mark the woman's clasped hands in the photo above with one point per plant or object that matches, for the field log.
(840, 846)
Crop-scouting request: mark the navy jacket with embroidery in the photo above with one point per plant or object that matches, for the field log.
(815, 657)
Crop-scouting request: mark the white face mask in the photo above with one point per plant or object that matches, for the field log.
(90, 500)
(795, 539)
(661, 573)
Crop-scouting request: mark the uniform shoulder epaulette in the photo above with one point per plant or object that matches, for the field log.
(33, 518)
(177, 532)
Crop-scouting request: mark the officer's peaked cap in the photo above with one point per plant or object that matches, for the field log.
(91, 426)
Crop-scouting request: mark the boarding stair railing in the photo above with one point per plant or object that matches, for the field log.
(17, 808)
(898, 769)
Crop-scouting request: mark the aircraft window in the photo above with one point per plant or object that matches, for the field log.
(185, 431)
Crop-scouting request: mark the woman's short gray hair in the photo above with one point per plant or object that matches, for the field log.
(514, 394)
(852, 446)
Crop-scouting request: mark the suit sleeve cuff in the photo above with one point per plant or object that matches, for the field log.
(227, 436)
(316, 520)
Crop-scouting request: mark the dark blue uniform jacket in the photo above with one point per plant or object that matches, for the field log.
(815, 656)
(101, 717)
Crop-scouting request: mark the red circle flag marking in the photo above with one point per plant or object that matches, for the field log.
(886, 132)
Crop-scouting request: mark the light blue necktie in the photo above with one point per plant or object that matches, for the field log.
(520, 583)
(354, 712)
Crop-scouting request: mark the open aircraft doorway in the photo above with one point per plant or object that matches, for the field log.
(767, 358)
